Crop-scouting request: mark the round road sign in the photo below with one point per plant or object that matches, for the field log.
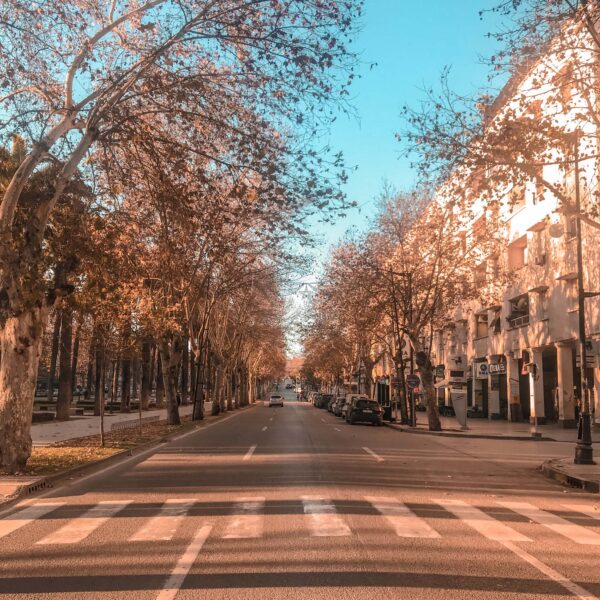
(412, 381)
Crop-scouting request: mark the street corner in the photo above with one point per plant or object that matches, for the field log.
(563, 470)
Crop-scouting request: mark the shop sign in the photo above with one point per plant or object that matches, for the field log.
(481, 370)
(440, 371)
(412, 381)
(497, 365)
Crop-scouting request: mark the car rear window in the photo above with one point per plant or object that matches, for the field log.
(366, 404)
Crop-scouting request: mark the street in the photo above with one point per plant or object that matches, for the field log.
(294, 503)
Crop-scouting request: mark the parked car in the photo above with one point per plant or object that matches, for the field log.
(362, 409)
(275, 400)
(323, 400)
(337, 406)
(331, 404)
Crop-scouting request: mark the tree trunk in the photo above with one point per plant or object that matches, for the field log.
(160, 385)
(427, 381)
(114, 391)
(20, 343)
(54, 355)
(185, 369)
(146, 388)
(90, 370)
(215, 381)
(229, 391)
(65, 374)
(99, 383)
(170, 355)
(125, 384)
(75, 358)
(135, 376)
(198, 370)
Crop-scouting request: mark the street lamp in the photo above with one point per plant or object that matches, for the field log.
(584, 453)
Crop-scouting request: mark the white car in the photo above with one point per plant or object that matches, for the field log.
(275, 400)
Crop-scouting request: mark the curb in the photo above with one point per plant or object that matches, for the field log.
(476, 436)
(555, 469)
(48, 481)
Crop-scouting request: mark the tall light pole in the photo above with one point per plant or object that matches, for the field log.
(584, 453)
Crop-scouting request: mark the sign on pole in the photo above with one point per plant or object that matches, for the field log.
(412, 381)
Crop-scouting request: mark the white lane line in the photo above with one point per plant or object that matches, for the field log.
(250, 452)
(402, 519)
(80, 527)
(322, 420)
(26, 516)
(162, 527)
(482, 522)
(337, 429)
(375, 456)
(576, 533)
(323, 518)
(264, 428)
(184, 564)
(586, 509)
(575, 589)
(247, 521)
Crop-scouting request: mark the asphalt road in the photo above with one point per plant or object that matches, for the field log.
(292, 502)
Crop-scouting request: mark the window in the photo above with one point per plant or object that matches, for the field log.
(539, 245)
(481, 321)
(480, 274)
(479, 229)
(516, 197)
(539, 187)
(518, 314)
(517, 254)
(495, 325)
(571, 227)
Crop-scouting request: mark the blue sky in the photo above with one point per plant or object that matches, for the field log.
(411, 41)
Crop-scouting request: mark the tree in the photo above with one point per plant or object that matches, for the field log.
(83, 76)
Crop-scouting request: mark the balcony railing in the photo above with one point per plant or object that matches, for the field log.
(518, 321)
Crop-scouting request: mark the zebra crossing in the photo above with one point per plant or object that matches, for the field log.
(247, 515)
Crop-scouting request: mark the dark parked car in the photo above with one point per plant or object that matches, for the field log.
(364, 411)
(331, 404)
(322, 400)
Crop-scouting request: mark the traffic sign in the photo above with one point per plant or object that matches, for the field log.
(412, 381)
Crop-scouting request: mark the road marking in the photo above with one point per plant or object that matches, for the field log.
(80, 527)
(184, 564)
(323, 518)
(337, 429)
(163, 526)
(264, 428)
(402, 519)
(575, 589)
(26, 516)
(576, 533)
(482, 522)
(271, 418)
(586, 509)
(247, 521)
(250, 452)
(375, 456)
(322, 420)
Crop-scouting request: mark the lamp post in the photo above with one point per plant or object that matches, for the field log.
(584, 453)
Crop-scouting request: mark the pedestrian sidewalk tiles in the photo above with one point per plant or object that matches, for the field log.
(501, 428)
(44, 434)
(500, 520)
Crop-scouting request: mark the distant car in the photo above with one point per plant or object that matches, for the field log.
(289, 386)
(365, 411)
(275, 400)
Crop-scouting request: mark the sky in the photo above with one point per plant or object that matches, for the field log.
(411, 41)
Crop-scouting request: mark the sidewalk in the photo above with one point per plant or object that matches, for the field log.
(44, 434)
(484, 428)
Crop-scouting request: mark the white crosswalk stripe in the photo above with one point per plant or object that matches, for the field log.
(403, 520)
(81, 527)
(574, 532)
(26, 516)
(163, 526)
(587, 509)
(248, 520)
(482, 522)
(323, 519)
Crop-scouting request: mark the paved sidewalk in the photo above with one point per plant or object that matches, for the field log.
(497, 429)
(44, 434)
